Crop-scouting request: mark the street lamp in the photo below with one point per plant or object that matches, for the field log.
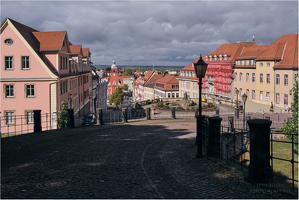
(237, 108)
(244, 97)
(200, 68)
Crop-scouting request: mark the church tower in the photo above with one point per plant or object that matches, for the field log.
(113, 78)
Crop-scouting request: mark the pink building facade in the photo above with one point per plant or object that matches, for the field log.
(39, 70)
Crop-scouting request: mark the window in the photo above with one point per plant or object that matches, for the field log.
(8, 41)
(268, 78)
(277, 79)
(30, 90)
(188, 85)
(194, 86)
(247, 93)
(168, 95)
(268, 64)
(277, 98)
(261, 64)
(60, 62)
(10, 117)
(268, 96)
(236, 75)
(261, 78)
(8, 62)
(25, 62)
(261, 96)
(253, 77)
(240, 92)
(29, 117)
(9, 91)
(253, 94)
(247, 77)
(240, 76)
(285, 79)
(285, 99)
(249, 62)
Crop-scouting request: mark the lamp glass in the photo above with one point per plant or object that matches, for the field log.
(200, 68)
(244, 97)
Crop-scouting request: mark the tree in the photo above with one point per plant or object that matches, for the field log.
(125, 87)
(292, 126)
(62, 115)
(105, 75)
(117, 97)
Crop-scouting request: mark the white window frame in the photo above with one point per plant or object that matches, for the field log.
(277, 98)
(30, 89)
(10, 117)
(11, 90)
(8, 64)
(25, 62)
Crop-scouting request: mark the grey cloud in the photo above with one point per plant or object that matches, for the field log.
(167, 33)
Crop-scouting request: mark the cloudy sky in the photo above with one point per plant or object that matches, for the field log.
(162, 32)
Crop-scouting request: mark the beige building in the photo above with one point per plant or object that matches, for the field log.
(266, 75)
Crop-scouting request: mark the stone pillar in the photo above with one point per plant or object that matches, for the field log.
(37, 121)
(247, 118)
(237, 113)
(199, 133)
(148, 113)
(100, 116)
(173, 113)
(70, 118)
(125, 119)
(214, 136)
(259, 168)
(231, 123)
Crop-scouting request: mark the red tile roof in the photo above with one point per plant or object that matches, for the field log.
(50, 41)
(167, 81)
(152, 81)
(86, 52)
(76, 49)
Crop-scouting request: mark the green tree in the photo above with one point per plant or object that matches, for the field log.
(292, 126)
(62, 115)
(125, 87)
(105, 75)
(117, 97)
(127, 73)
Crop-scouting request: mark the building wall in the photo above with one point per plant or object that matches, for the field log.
(266, 68)
(244, 84)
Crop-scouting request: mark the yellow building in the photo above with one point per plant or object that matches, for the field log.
(266, 74)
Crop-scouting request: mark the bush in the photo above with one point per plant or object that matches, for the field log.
(160, 104)
(179, 108)
(210, 105)
(193, 108)
(166, 107)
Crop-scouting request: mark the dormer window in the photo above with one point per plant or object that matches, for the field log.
(207, 58)
(225, 57)
(210, 58)
(215, 57)
(220, 57)
(8, 42)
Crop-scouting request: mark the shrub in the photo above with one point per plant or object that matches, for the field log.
(166, 107)
(179, 108)
(210, 105)
(160, 104)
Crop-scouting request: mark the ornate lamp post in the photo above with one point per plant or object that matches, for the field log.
(244, 97)
(237, 108)
(200, 69)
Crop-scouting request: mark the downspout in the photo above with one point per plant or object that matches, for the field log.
(50, 99)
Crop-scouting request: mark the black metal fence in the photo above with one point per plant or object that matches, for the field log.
(233, 145)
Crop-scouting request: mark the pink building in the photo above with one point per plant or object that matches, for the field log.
(39, 70)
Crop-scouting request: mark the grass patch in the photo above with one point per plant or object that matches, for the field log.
(280, 167)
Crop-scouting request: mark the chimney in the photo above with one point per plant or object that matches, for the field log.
(253, 40)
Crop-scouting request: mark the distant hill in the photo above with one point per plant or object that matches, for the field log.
(141, 67)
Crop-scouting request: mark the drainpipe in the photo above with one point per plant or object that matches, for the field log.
(50, 98)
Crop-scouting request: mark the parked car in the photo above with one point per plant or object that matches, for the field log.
(89, 119)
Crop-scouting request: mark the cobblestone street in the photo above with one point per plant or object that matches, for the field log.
(121, 161)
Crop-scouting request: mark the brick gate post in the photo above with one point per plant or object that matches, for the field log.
(70, 118)
(259, 168)
(214, 136)
(37, 121)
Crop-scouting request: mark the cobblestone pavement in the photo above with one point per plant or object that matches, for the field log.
(127, 161)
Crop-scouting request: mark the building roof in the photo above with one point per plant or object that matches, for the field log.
(50, 41)
(152, 81)
(284, 50)
(86, 52)
(167, 81)
(76, 49)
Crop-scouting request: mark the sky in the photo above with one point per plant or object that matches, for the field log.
(163, 33)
